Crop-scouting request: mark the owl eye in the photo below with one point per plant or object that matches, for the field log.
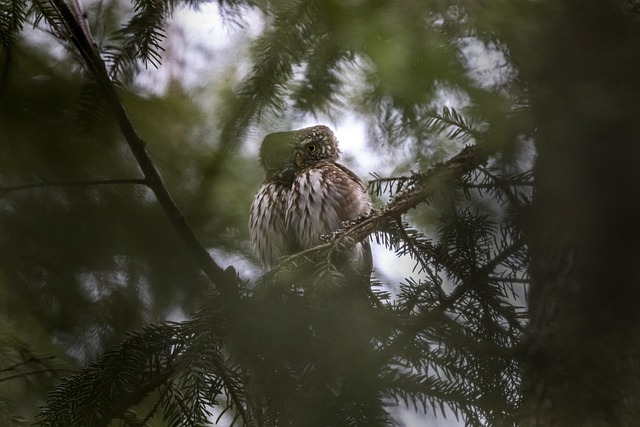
(311, 148)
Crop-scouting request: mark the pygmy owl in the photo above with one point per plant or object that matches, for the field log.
(306, 194)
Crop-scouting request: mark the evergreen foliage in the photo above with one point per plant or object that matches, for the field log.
(297, 347)
(12, 16)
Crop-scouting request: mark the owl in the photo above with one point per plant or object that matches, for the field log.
(306, 193)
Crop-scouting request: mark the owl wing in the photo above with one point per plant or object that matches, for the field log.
(362, 207)
(356, 179)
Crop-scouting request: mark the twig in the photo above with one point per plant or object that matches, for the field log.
(82, 18)
(153, 410)
(39, 371)
(24, 362)
(135, 181)
(486, 269)
(463, 288)
(511, 280)
(422, 259)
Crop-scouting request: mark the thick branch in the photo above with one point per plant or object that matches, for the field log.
(437, 178)
(224, 280)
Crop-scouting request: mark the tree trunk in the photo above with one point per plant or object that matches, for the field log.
(582, 353)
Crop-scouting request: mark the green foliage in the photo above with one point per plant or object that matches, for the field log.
(187, 370)
(12, 16)
(86, 250)
(323, 355)
(139, 41)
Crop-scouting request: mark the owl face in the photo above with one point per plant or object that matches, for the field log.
(314, 144)
(288, 152)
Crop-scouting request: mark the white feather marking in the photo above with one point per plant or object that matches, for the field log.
(266, 223)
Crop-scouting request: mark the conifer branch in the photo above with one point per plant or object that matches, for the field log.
(436, 179)
(421, 254)
(464, 287)
(452, 124)
(224, 280)
(489, 267)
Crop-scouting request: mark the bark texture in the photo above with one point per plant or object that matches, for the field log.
(582, 354)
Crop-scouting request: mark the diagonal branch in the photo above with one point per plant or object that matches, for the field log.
(81, 17)
(384, 219)
(437, 178)
(224, 280)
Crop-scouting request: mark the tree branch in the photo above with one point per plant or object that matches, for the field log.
(224, 280)
(81, 16)
(435, 179)
(38, 371)
(33, 359)
(421, 254)
(4, 191)
(440, 176)
(464, 287)
(486, 269)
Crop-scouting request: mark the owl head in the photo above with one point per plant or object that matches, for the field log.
(288, 152)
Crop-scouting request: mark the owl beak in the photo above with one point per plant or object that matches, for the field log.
(298, 159)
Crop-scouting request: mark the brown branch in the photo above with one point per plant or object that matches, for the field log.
(432, 181)
(224, 280)
(82, 18)
(437, 178)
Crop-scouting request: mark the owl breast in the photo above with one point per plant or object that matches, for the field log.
(321, 198)
(267, 223)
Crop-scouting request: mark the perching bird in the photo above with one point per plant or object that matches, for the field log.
(306, 194)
